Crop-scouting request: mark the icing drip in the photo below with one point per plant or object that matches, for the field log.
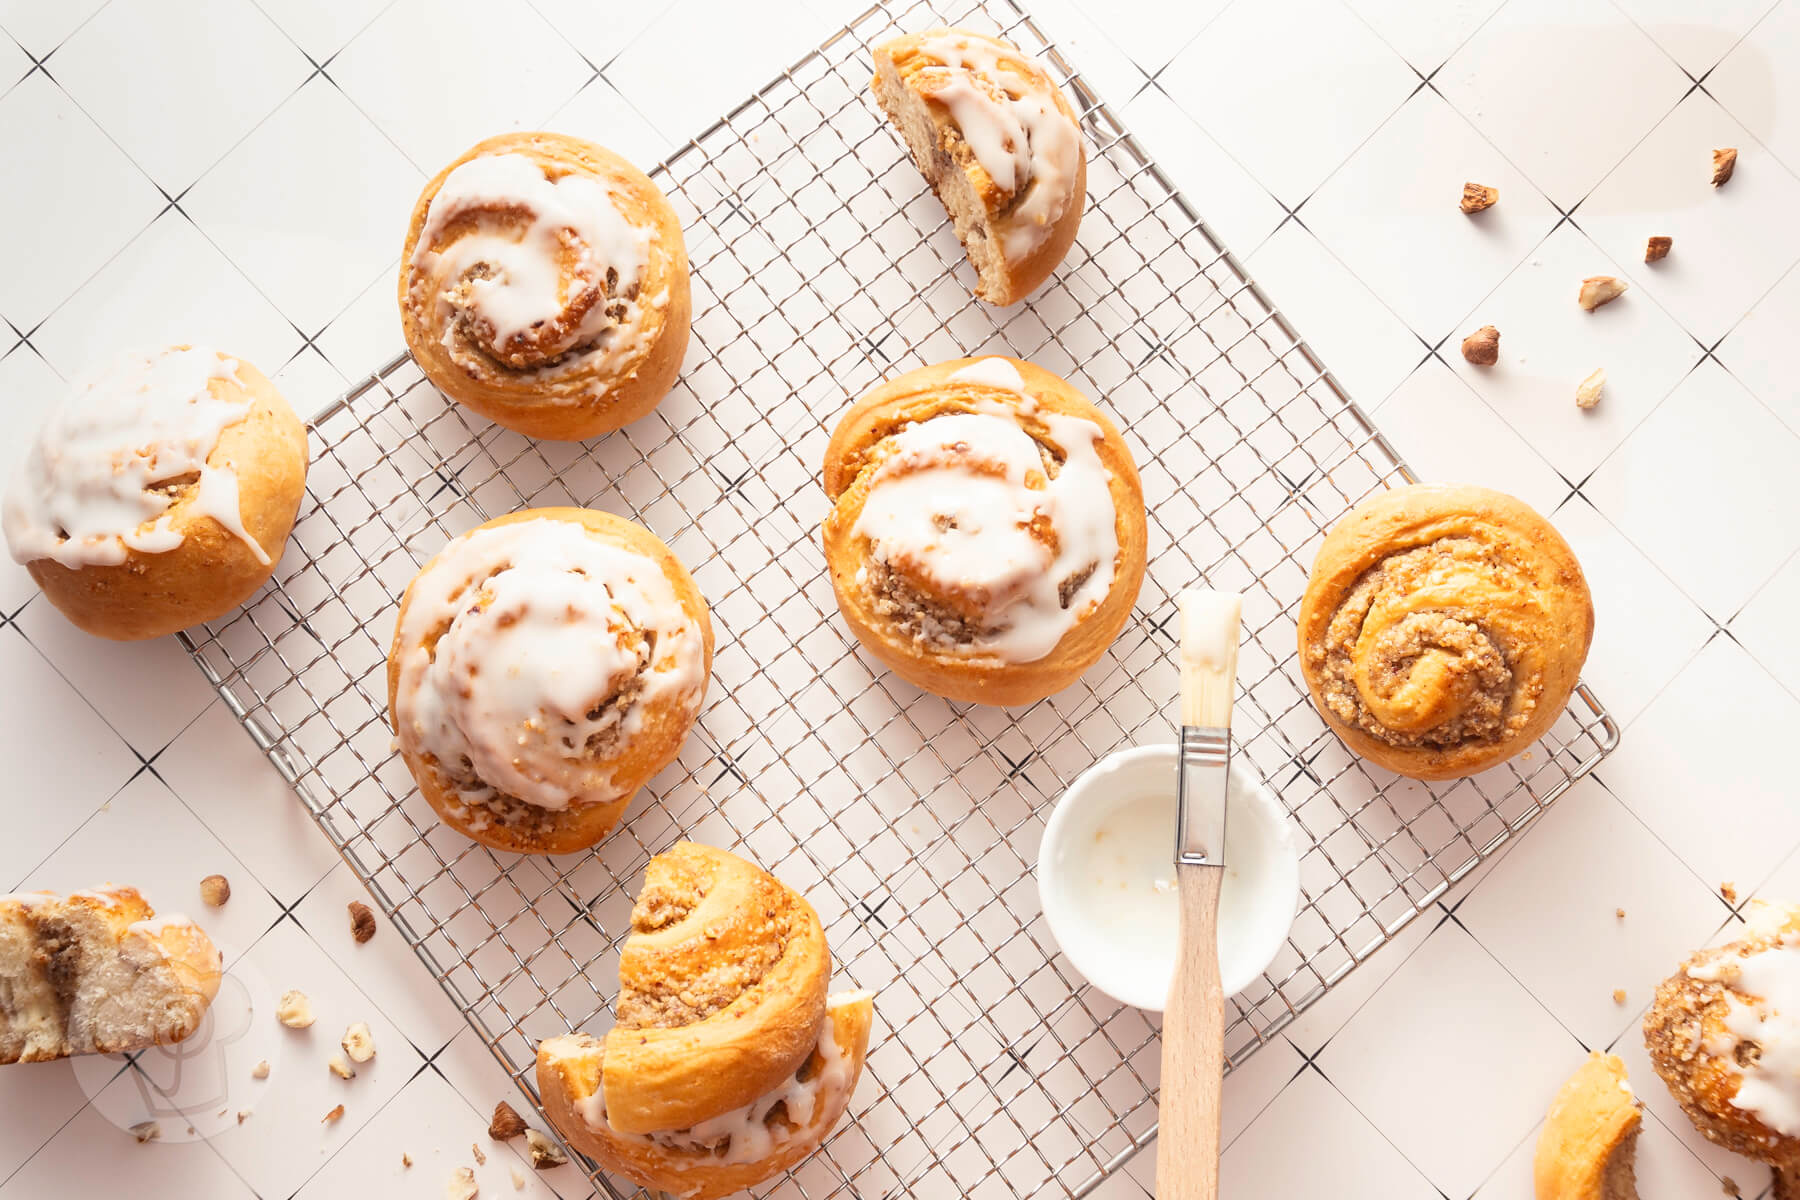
(107, 468)
(533, 270)
(965, 511)
(1012, 125)
(1769, 1085)
(550, 646)
(749, 1134)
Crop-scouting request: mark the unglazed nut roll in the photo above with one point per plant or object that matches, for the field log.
(1443, 629)
(544, 285)
(999, 144)
(98, 972)
(160, 495)
(986, 540)
(729, 1062)
(545, 665)
(1721, 1033)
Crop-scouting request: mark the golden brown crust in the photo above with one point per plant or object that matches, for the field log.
(1585, 1149)
(1698, 1057)
(721, 991)
(212, 571)
(569, 1071)
(531, 830)
(586, 399)
(856, 446)
(1443, 629)
(902, 59)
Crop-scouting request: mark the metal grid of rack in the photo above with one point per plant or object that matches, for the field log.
(822, 264)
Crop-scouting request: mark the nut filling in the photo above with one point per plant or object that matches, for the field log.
(1430, 678)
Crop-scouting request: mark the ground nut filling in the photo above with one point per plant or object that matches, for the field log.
(1428, 678)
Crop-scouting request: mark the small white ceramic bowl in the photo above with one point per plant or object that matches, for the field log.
(1106, 876)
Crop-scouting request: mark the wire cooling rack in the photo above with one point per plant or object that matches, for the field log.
(822, 265)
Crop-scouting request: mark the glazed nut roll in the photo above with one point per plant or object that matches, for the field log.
(98, 972)
(729, 1062)
(999, 144)
(987, 535)
(544, 285)
(160, 494)
(1443, 629)
(1722, 1035)
(545, 665)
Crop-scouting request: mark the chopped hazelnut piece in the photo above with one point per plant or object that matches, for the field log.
(1483, 346)
(518, 1179)
(1724, 163)
(146, 1131)
(294, 1010)
(340, 1068)
(507, 1123)
(1729, 1186)
(332, 1116)
(215, 890)
(462, 1185)
(1729, 891)
(1618, 995)
(480, 1158)
(359, 1043)
(1588, 394)
(1619, 913)
(405, 1159)
(260, 1070)
(1658, 248)
(362, 922)
(243, 1115)
(1478, 196)
(1599, 289)
(544, 1152)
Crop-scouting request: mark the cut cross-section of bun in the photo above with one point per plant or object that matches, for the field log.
(98, 972)
(998, 142)
(1588, 1146)
(729, 1063)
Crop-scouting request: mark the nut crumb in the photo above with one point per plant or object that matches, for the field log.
(462, 1185)
(507, 1123)
(260, 1070)
(544, 1152)
(1724, 163)
(358, 1043)
(1482, 347)
(480, 1158)
(362, 922)
(340, 1068)
(1599, 289)
(215, 890)
(332, 1116)
(295, 1010)
(1477, 197)
(1588, 393)
(146, 1131)
(1619, 913)
(1658, 248)
(1728, 890)
(405, 1159)
(1729, 1186)
(243, 1115)
(1618, 995)
(518, 1179)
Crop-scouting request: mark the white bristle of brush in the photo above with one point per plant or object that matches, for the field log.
(1210, 627)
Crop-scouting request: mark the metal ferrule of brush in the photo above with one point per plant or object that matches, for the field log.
(1200, 796)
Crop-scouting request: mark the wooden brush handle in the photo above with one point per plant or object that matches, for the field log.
(1193, 1049)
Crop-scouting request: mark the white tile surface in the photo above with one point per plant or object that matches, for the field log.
(1731, 243)
(1331, 68)
(302, 189)
(87, 200)
(1391, 214)
(169, 286)
(1509, 1055)
(510, 71)
(131, 49)
(1539, 63)
(1723, 700)
(1691, 505)
(1736, 464)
